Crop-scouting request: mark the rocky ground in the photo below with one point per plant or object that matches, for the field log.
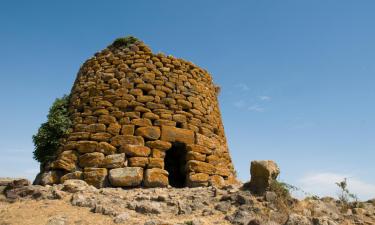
(75, 202)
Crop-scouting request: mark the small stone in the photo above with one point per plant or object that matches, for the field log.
(121, 218)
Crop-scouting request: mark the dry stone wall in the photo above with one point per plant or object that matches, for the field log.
(129, 108)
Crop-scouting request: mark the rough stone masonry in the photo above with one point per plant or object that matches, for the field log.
(142, 119)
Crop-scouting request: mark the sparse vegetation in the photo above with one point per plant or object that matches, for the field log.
(348, 199)
(48, 137)
(282, 189)
(124, 41)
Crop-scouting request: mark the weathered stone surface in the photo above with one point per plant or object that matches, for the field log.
(156, 177)
(200, 167)
(127, 129)
(142, 122)
(156, 163)
(263, 173)
(67, 161)
(205, 141)
(74, 186)
(114, 161)
(114, 128)
(72, 175)
(197, 179)
(199, 149)
(95, 176)
(138, 161)
(94, 159)
(121, 140)
(217, 181)
(135, 150)
(87, 146)
(106, 148)
(50, 177)
(173, 134)
(161, 145)
(95, 128)
(151, 133)
(195, 156)
(102, 136)
(126, 177)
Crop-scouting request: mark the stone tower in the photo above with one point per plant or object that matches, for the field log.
(142, 119)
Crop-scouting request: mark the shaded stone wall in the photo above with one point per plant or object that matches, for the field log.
(129, 106)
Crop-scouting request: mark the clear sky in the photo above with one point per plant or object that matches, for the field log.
(297, 77)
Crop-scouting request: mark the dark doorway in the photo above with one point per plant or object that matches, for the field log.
(175, 162)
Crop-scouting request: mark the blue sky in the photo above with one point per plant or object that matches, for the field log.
(297, 77)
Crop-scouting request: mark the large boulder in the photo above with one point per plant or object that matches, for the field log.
(263, 173)
(126, 177)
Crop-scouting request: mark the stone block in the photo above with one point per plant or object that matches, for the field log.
(263, 173)
(95, 128)
(114, 161)
(197, 179)
(200, 167)
(107, 119)
(217, 181)
(173, 134)
(94, 159)
(66, 160)
(205, 141)
(138, 161)
(156, 163)
(151, 133)
(142, 122)
(106, 149)
(135, 150)
(87, 146)
(156, 177)
(199, 149)
(161, 145)
(70, 176)
(121, 140)
(95, 176)
(195, 156)
(102, 136)
(127, 129)
(114, 128)
(126, 177)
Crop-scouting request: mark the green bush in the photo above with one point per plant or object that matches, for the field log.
(49, 135)
(124, 41)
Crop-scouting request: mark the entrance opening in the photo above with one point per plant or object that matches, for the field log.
(175, 162)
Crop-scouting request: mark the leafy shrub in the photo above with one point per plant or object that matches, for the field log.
(48, 137)
(124, 41)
